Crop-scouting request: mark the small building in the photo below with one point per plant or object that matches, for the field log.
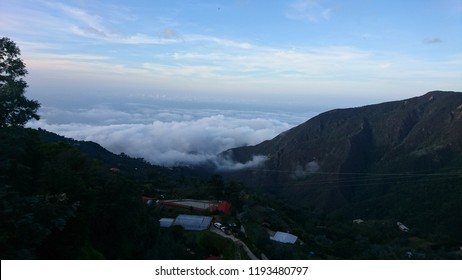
(114, 169)
(222, 206)
(402, 227)
(198, 205)
(166, 222)
(284, 237)
(148, 200)
(189, 204)
(193, 222)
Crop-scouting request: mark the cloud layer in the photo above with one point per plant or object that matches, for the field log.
(170, 138)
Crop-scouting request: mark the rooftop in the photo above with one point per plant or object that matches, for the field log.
(193, 222)
(284, 237)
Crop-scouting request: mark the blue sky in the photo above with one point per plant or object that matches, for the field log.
(313, 51)
(107, 71)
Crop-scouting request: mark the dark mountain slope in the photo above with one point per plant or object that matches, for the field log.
(356, 158)
(369, 133)
(95, 151)
(132, 167)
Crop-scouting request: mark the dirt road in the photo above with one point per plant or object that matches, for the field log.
(237, 241)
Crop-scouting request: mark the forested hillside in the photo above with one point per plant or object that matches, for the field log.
(396, 161)
(66, 199)
(58, 203)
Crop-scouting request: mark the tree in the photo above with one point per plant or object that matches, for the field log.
(15, 108)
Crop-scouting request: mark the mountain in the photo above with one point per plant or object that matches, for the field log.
(368, 161)
(68, 199)
(392, 168)
(133, 167)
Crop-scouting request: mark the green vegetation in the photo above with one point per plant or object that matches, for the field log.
(176, 243)
(59, 203)
(67, 199)
(335, 236)
(15, 108)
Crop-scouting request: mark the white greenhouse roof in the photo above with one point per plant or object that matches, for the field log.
(284, 237)
(166, 222)
(193, 222)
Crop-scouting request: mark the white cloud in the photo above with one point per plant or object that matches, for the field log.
(308, 10)
(83, 23)
(92, 21)
(170, 139)
(262, 64)
(327, 13)
(218, 41)
(226, 164)
(303, 171)
(385, 65)
(114, 59)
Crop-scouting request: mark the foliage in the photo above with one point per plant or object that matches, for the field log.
(59, 204)
(15, 108)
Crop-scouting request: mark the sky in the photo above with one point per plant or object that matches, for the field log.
(130, 75)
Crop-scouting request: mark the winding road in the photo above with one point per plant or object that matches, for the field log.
(236, 241)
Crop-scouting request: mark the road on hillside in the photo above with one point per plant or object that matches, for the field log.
(236, 241)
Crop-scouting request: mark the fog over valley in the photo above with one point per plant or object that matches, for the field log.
(173, 135)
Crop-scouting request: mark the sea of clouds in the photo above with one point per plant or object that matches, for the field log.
(170, 136)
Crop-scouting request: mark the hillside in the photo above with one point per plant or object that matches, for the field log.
(377, 165)
(133, 167)
(64, 199)
(401, 160)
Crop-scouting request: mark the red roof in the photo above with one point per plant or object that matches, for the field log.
(223, 206)
(147, 198)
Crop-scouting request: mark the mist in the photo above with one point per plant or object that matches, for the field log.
(170, 136)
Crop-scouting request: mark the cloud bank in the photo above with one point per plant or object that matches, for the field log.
(170, 138)
(227, 164)
(304, 171)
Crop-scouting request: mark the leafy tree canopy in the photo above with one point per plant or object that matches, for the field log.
(15, 108)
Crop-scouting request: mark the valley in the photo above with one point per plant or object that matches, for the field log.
(375, 182)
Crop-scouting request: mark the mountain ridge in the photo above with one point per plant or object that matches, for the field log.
(322, 164)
